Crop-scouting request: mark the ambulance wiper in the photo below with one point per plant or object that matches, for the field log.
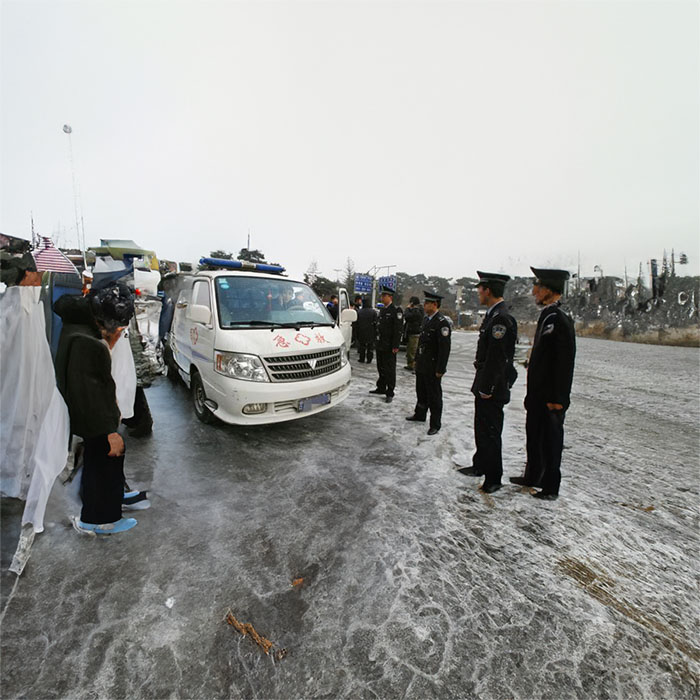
(302, 324)
(267, 324)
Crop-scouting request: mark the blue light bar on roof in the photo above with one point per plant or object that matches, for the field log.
(242, 265)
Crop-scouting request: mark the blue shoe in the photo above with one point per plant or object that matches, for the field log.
(108, 528)
(135, 500)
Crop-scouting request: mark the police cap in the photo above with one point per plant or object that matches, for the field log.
(387, 290)
(552, 279)
(431, 296)
(493, 281)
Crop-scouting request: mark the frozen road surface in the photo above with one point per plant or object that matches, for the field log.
(348, 542)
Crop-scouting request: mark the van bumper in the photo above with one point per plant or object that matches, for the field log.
(281, 399)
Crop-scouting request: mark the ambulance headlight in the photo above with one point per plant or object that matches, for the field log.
(343, 356)
(240, 366)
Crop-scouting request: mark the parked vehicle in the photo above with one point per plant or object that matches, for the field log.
(256, 347)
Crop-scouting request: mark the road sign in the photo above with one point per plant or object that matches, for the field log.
(387, 281)
(363, 284)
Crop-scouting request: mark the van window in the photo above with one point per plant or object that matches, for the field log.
(344, 302)
(255, 302)
(200, 294)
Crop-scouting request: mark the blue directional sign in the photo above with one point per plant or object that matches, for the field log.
(388, 281)
(363, 284)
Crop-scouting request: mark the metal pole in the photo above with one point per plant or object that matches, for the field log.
(68, 130)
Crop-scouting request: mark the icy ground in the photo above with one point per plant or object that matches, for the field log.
(349, 540)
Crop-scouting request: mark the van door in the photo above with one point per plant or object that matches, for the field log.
(346, 317)
(201, 331)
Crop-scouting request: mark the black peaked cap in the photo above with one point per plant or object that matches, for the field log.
(550, 278)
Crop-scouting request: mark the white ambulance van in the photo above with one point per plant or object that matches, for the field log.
(256, 347)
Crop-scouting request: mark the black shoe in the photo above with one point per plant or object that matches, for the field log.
(433, 431)
(410, 369)
(415, 418)
(388, 399)
(489, 488)
(377, 391)
(470, 471)
(545, 496)
(521, 481)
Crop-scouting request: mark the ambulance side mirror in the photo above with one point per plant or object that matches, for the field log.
(348, 316)
(199, 314)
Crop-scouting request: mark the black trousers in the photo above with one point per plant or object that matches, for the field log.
(141, 423)
(429, 398)
(545, 442)
(102, 485)
(386, 365)
(488, 426)
(365, 349)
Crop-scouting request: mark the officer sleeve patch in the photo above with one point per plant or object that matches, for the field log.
(548, 329)
(445, 330)
(498, 331)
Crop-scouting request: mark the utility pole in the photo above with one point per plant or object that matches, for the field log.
(68, 130)
(373, 271)
(578, 273)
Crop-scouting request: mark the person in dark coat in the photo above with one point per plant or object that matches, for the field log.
(332, 306)
(389, 327)
(495, 375)
(91, 327)
(549, 376)
(431, 363)
(413, 321)
(366, 331)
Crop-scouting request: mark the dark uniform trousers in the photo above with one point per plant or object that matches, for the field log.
(429, 397)
(488, 427)
(386, 366)
(102, 485)
(545, 442)
(365, 349)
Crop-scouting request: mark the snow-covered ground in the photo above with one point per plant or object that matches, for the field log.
(349, 540)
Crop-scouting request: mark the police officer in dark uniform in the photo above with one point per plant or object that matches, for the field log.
(389, 326)
(494, 377)
(431, 362)
(549, 376)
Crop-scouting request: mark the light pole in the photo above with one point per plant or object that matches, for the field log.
(68, 130)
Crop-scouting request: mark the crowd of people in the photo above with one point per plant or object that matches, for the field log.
(98, 389)
(428, 339)
(97, 380)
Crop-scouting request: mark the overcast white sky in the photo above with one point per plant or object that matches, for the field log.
(440, 137)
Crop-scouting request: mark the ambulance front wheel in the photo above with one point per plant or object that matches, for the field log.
(198, 399)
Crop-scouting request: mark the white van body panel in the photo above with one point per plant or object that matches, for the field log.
(286, 354)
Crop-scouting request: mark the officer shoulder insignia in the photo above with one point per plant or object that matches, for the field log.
(548, 329)
(498, 331)
(445, 330)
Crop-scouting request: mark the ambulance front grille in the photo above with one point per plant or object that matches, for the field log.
(310, 365)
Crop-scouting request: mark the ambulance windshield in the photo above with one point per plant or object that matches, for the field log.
(255, 302)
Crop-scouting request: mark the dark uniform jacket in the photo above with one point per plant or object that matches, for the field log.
(495, 374)
(366, 325)
(414, 320)
(389, 326)
(551, 366)
(84, 371)
(434, 345)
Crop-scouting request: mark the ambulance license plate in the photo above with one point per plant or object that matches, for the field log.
(308, 404)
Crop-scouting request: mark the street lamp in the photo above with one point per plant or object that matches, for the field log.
(67, 129)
